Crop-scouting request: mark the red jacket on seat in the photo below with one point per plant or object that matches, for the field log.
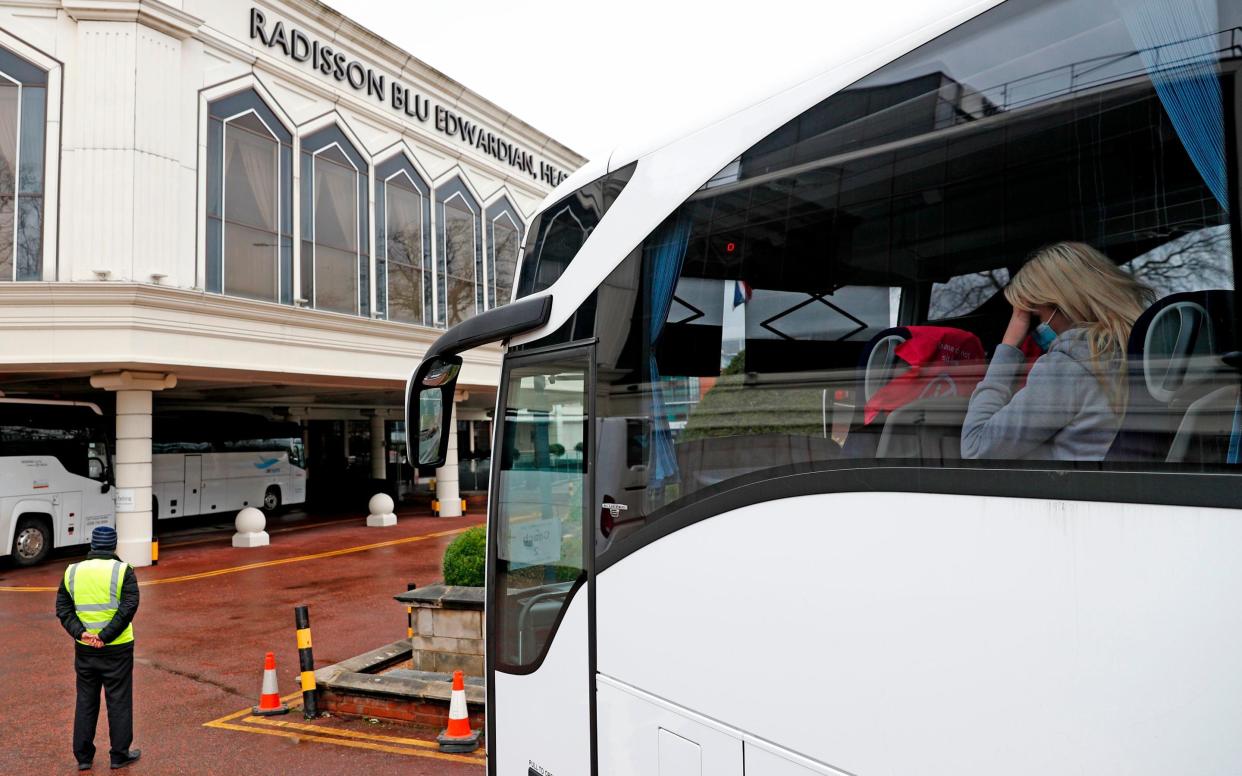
(939, 359)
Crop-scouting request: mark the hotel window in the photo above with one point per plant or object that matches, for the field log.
(335, 252)
(504, 245)
(249, 200)
(23, 124)
(402, 242)
(460, 253)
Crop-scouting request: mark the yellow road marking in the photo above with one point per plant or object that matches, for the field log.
(372, 741)
(342, 732)
(263, 564)
(458, 758)
(230, 717)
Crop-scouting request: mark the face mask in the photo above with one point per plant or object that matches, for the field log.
(1045, 334)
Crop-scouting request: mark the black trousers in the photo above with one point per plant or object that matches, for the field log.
(112, 668)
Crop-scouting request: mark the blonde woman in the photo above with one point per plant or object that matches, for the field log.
(1082, 308)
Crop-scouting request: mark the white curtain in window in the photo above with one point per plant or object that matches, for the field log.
(256, 185)
(336, 205)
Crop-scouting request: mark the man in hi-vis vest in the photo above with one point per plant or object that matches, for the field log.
(96, 603)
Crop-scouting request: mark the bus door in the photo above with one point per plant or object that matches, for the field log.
(540, 653)
(193, 485)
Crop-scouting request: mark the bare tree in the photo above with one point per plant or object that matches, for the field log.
(405, 295)
(1198, 260)
(964, 293)
(459, 262)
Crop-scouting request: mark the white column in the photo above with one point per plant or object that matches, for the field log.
(448, 491)
(133, 458)
(379, 462)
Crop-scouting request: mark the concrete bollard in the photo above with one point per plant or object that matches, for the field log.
(382, 514)
(250, 523)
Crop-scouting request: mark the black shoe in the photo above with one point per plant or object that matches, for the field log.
(130, 757)
(85, 766)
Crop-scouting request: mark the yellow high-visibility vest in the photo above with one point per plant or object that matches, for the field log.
(95, 586)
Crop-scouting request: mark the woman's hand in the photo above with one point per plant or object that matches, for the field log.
(1019, 327)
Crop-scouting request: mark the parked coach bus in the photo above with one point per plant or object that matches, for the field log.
(56, 478)
(785, 549)
(208, 462)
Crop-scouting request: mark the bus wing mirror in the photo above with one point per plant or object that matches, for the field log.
(429, 408)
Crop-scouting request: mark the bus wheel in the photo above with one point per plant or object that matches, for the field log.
(271, 500)
(32, 541)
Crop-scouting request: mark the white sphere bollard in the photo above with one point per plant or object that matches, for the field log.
(382, 514)
(250, 523)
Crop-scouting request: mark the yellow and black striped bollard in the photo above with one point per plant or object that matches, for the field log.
(306, 662)
(409, 613)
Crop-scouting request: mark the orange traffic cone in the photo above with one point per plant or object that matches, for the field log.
(458, 737)
(269, 696)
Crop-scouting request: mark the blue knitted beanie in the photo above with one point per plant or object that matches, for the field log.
(103, 539)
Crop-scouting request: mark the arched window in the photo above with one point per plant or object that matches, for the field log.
(334, 223)
(23, 124)
(249, 200)
(402, 242)
(461, 253)
(504, 243)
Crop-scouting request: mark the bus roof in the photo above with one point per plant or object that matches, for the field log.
(890, 29)
(55, 403)
(673, 165)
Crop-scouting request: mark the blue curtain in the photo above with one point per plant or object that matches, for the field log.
(662, 268)
(1235, 436)
(1177, 43)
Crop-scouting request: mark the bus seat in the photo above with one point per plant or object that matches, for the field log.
(1211, 429)
(877, 365)
(880, 363)
(928, 430)
(927, 423)
(1173, 360)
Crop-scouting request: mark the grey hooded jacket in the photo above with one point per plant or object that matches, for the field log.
(1062, 414)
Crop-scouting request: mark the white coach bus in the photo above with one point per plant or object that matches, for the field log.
(205, 462)
(767, 561)
(55, 478)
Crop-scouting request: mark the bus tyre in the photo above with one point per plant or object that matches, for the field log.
(271, 500)
(32, 541)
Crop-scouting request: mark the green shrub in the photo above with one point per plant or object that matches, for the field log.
(571, 559)
(465, 560)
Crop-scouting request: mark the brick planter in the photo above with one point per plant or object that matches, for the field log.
(356, 688)
(448, 628)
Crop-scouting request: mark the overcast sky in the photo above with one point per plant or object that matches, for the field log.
(593, 74)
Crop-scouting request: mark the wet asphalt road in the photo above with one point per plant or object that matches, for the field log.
(201, 632)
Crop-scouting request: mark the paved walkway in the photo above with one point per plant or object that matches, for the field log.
(208, 614)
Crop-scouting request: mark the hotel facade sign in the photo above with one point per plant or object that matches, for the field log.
(302, 47)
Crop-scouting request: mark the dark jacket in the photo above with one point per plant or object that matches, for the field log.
(125, 612)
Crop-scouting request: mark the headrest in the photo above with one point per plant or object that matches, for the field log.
(1175, 331)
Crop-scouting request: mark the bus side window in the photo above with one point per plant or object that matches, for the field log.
(832, 297)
